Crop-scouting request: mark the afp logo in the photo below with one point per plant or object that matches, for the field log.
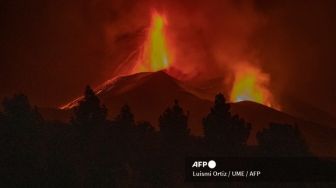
(198, 164)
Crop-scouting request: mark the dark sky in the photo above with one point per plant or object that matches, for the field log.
(51, 49)
(298, 47)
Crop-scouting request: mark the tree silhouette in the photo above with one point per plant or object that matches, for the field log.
(125, 119)
(18, 111)
(224, 133)
(124, 132)
(21, 121)
(89, 138)
(92, 151)
(174, 124)
(89, 111)
(20, 143)
(282, 140)
(174, 133)
(122, 136)
(144, 127)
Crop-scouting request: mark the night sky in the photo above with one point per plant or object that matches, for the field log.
(51, 49)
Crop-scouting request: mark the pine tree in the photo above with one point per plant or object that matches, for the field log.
(223, 132)
(20, 142)
(174, 124)
(18, 111)
(125, 119)
(89, 112)
(124, 134)
(20, 118)
(174, 139)
(282, 140)
(88, 137)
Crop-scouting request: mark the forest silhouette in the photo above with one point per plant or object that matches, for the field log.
(93, 151)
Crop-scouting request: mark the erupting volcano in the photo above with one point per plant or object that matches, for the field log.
(156, 54)
(250, 83)
(148, 81)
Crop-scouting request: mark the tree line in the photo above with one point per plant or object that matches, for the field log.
(92, 150)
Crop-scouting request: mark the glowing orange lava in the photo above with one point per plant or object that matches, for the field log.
(250, 84)
(155, 55)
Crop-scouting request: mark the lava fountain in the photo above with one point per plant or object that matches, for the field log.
(251, 84)
(155, 54)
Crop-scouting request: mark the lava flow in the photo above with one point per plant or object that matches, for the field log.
(155, 54)
(251, 84)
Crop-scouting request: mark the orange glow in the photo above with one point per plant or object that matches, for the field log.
(155, 55)
(250, 84)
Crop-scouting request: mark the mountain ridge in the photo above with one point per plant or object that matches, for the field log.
(149, 94)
